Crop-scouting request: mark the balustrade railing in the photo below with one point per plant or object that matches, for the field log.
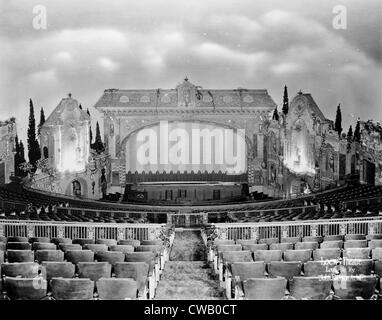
(260, 230)
(118, 231)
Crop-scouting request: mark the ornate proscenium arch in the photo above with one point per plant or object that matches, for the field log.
(223, 146)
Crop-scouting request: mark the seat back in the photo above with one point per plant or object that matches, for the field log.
(377, 254)
(49, 255)
(319, 269)
(326, 254)
(229, 247)
(39, 239)
(58, 241)
(139, 271)
(65, 247)
(223, 242)
(355, 237)
(43, 246)
(246, 270)
(83, 241)
(268, 255)
(20, 269)
(318, 239)
(332, 244)
(357, 253)
(269, 241)
(298, 255)
(55, 269)
(152, 243)
(356, 287)
(1, 256)
(19, 246)
(313, 288)
(358, 266)
(377, 236)
(25, 288)
(76, 256)
(378, 268)
(122, 248)
(108, 242)
(94, 270)
(255, 247)
(306, 245)
(246, 242)
(110, 256)
(17, 239)
(129, 242)
(264, 289)
(286, 269)
(281, 246)
(117, 289)
(375, 244)
(355, 244)
(147, 257)
(20, 256)
(337, 237)
(290, 239)
(149, 248)
(96, 247)
(237, 256)
(72, 289)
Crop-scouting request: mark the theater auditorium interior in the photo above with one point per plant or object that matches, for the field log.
(192, 193)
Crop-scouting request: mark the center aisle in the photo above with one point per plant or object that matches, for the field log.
(187, 276)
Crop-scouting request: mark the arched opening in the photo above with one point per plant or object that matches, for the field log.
(76, 187)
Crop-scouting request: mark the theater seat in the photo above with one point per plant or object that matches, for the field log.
(355, 244)
(108, 242)
(156, 249)
(268, 255)
(117, 289)
(96, 247)
(286, 269)
(264, 289)
(19, 246)
(318, 239)
(326, 254)
(223, 242)
(334, 238)
(49, 255)
(375, 244)
(20, 269)
(20, 256)
(255, 247)
(374, 237)
(353, 287)
(152, 243)
(357, 253)
(83, 241)
(355, 237)
(312, 288)
(110, 256)
(58, 269)
(378, 268)
(39, 239)
(122, 248)
(72, 289)
(76, 256)
(269, 241)
(298, 255)
(377, 254)
(319, 269)
(65, 247)
(17, 239)
(58, 241)
(281, 246)
(94, 270)
(306, 245)
(43, 246)
(358, 266)
(332, 244)
(130, 242)
(293, 240)
(140, 272)
(25, 288)
(246, 242)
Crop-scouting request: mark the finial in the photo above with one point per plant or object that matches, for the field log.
(186, 79)
(69, 95)
(300, 92)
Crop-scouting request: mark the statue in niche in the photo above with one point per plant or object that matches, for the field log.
(111, 130)
(331, 162)
(187, 97)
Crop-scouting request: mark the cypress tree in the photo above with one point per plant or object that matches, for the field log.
(338, 122)
(42, 120)
(98, 145)
(275, 115)
(34, 152)
(350, 134)
(21, 158)
(357, 132)
(285, 108)
(90, 134)
(80, 106)
(17, 157)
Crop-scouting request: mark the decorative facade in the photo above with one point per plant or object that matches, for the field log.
(7, 149)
